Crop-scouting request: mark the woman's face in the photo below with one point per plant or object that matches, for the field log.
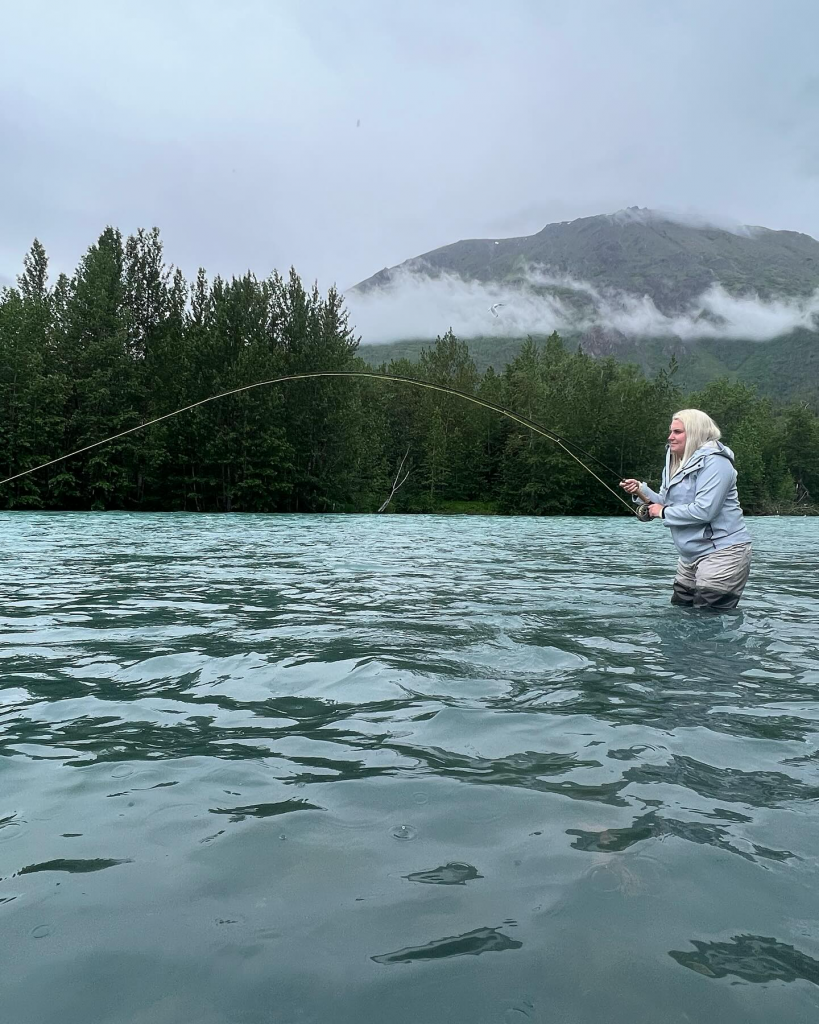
(676, 437)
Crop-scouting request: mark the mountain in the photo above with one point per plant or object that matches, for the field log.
(639, 285)
(635, 251)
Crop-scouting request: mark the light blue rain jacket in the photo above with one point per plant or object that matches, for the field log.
(702, 506)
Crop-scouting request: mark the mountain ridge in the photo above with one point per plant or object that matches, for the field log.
(637, 251)
(645, 262)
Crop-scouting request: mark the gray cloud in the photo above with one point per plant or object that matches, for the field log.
(414, 305)
(233, 126)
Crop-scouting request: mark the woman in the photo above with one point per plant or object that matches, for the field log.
(698, 501)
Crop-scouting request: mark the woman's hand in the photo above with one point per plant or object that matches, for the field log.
(655, 510)
(630, 486)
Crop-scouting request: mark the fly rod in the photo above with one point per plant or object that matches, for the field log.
(570, 447)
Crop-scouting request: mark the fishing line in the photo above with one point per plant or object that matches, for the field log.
(524, 421)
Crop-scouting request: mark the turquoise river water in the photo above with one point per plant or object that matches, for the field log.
(360, 769)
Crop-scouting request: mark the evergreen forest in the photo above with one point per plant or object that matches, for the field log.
(128, 338)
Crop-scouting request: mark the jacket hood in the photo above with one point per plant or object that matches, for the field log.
(713, 448)
(710, 448)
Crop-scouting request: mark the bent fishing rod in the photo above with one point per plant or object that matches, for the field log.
(524, 421)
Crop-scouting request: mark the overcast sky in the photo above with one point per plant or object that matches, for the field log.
(342, 137)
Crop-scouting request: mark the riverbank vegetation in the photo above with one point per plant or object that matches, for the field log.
(127, 339)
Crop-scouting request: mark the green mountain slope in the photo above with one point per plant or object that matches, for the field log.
(641, 253)
(785, 368)
(636, 251)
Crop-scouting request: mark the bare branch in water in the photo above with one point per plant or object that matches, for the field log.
(398, 481)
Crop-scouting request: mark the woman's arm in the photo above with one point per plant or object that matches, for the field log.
(714, 481)
(647, 492)
(639, 491)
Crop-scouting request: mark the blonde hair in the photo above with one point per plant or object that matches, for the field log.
(700, 429)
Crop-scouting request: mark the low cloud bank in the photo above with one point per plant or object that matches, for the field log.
(416, 306)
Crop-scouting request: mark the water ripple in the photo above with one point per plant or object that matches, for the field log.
(181, 693)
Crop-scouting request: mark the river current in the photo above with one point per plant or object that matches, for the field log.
(360, 769)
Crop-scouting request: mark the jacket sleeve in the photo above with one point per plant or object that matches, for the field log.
(714, 481)
(651, 495)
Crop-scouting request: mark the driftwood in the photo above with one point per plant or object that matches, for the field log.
(397, 482)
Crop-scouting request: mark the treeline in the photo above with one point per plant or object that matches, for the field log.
(127, 339)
